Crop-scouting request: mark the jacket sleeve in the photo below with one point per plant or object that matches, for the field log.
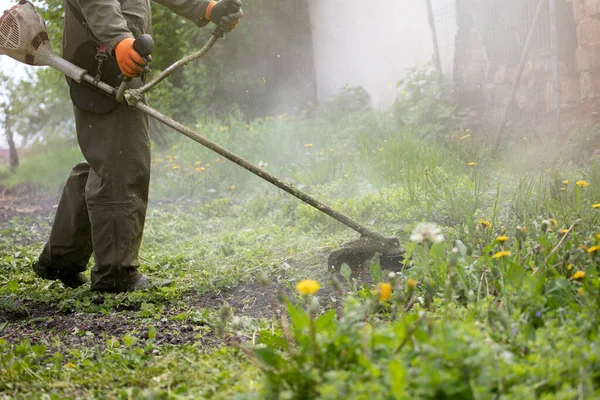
(190, 9)
(105, 21)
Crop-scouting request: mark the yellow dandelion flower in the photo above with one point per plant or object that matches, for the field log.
(320, 153)
(485, 224)
(411, 283)
(70, 365)
(565, 182)
(198, 162)
(472, 164)
(232, 187)
(580, 291)
(501, 254)
(502, 239)
(593, 249)
(199, 169)
(563, 189)
(224, 128)
(384, 290)
(308, 145)
(174, 157)
(169, 157)
(464, 137)
(569, 267)
(217, 159)
(467, 130)
(579, 275)
(207, 165)
(597, 205)
(158, 160)
(174, 147)
(381, 148)
(175, 166)
(598, 236)
(308, 287)
(553, 222)
(582, 184)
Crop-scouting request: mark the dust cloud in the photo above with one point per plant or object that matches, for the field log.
(369, 44)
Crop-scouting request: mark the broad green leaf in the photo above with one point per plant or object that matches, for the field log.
(297, 315)
(324, 320)
(397, 380)
(346, 272)
(13, 286)
(267, 356)
(376, 273)
(152, 333)
(128, 340)
(272, 339)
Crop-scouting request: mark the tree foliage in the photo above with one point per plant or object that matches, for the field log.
(263, 67)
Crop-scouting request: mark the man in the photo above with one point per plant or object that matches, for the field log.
(103, 205)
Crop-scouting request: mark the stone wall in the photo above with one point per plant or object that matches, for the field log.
(587, 54)
(484, 82)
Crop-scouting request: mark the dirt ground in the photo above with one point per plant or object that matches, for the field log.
(45, 323)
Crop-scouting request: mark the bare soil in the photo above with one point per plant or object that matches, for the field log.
(46, 323)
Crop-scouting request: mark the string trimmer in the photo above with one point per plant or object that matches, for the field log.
(23, 37)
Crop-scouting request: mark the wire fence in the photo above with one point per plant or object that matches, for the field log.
(480, 43)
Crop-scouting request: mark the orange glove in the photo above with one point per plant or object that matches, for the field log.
(224, 14)
(130, 62)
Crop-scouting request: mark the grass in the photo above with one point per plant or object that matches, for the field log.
(474, 316)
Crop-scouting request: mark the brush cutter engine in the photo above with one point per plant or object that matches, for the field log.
(23, 37)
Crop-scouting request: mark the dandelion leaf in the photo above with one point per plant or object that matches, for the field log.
(376, 273)
(397, 380)
(346, 272)
(268, 357)
(297, 315)
(324, 320)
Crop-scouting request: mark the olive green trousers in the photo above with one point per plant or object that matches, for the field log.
(102, 208)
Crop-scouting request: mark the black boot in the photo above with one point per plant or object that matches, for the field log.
(70, 279)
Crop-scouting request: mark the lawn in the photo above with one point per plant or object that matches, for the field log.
(500, 303)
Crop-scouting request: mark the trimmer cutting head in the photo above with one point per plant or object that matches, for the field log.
(357, 252)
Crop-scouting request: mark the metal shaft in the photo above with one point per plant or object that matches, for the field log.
(177, 65)
(324, 208)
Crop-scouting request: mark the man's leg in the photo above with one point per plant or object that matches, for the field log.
(117, 148)
(69, 248)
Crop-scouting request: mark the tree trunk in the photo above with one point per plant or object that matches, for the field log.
(13, 156)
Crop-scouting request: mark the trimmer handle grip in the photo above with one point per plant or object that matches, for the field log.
(232, 8)
(144, 46)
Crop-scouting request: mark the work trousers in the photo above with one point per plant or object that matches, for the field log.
(102, 208)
